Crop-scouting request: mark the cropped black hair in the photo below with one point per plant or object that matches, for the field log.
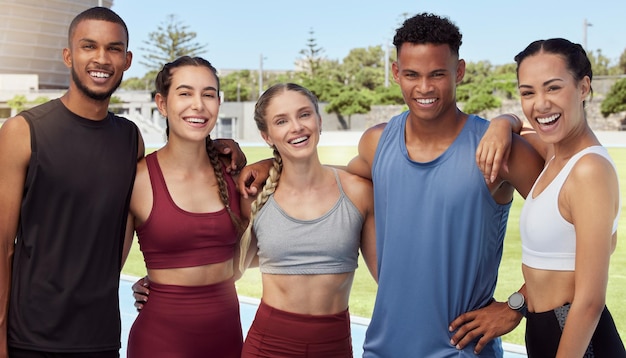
(427, 28)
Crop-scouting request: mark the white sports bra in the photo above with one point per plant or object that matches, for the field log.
(548, 240)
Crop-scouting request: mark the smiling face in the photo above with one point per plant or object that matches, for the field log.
(192, 102)
(97, 58)
(552, 99)
(428, 75)
(292, 124)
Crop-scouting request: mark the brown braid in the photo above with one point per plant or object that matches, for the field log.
(223, 189)
(268, 189)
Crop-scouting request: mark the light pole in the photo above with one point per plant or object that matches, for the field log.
(585, 26)
(260, 75)
(386, 64)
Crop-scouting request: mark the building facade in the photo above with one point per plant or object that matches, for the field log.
(33, 34)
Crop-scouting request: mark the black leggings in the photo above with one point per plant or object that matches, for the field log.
(543, 333)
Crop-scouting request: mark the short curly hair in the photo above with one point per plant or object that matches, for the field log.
(427, 28)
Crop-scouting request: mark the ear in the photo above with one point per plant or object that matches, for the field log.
(460, 71)
(67, 57)
(395, 70)
(585, 86)
(267, 139)
(129, 60)
(319, 122)
(161, 104)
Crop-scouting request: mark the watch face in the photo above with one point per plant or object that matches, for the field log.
(516, 301)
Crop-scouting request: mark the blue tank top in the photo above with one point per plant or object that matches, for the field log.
(439, 243)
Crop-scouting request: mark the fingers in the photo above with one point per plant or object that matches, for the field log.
(490, 158)
(141, 292)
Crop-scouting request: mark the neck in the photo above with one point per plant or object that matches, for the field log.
(187, 156)
(85, 106)
(574, 142)
(301, 173)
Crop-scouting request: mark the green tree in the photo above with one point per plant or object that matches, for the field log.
(348, 102)
(615, 100)
(171, 40)
(481, 102)
(145, 83)
(18, 103)
(311, 55)
(622, 62)
(388, 95)
(364, 67)
(601, 65)
(237, 86)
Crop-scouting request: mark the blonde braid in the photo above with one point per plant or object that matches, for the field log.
(223, 188)
(268, 189)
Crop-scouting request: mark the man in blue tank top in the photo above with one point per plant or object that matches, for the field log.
(440, 225)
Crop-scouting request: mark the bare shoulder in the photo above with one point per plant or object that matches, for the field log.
(593, 167)
(358, 189)
(362, 164)
(374, 132)
(141, 199)
(15, 139)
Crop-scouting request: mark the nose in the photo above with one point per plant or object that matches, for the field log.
(296, 126)
(542, 102)
(423, 85)
(196, 103)
(102, 56)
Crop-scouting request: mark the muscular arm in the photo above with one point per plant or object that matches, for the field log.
(361, 165)
(368, 234)
(14, 157)
(128, 237)
(525, 165)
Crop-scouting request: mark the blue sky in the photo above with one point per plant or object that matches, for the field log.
(237, 32)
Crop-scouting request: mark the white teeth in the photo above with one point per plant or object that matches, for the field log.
(426, 101)
(100, 74)
(195, 120)
(546, 120)
(298, 140)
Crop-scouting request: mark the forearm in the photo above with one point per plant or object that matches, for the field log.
(5, 282)
(513, 120)
(580, 325)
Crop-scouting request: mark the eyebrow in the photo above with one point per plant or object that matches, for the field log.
(116, 43)
(543, 84)
(208, 88)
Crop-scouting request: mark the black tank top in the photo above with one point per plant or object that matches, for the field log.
(64, 292)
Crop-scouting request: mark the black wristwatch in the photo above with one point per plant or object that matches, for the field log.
(517, 302)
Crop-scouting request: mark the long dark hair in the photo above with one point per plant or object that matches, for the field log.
(162, 83)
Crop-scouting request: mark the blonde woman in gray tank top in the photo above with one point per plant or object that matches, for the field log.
(307, 227)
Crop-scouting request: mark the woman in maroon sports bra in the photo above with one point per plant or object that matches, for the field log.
(185, 211)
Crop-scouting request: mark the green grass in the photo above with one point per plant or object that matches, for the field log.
(510, 275)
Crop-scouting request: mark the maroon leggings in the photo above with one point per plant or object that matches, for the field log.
(181, 321)
(275, 333)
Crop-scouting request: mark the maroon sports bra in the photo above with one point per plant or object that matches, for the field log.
(173, 238)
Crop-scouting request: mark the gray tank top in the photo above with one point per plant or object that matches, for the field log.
(326, 245)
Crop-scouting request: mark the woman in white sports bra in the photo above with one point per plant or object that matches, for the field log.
(306, 227)
(569, 220)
